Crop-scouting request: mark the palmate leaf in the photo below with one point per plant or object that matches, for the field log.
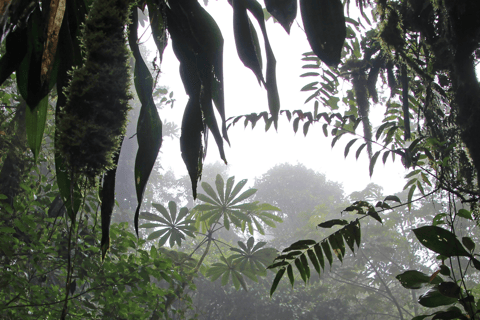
(174, 224)
(226, 269)
(226, 203)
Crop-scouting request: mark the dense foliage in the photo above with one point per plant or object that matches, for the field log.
(73, 54)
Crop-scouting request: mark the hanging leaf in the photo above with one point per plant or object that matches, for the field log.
(277, 279)
(324, 24)
(108, 203)
(333, 222)
(35, 122)
(156, 13)
(347, 147)
(16, 46)
(243, 32)
(284, 11)
(327, 251)
(149, 127)
(373, 161)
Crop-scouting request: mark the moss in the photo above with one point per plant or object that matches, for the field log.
(92, 123)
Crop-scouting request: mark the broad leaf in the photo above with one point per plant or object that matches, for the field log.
(440, 241)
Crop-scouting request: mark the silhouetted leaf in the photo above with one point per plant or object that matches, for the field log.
(149, 127)
(324, 24)
(333, 222)
(284, 11)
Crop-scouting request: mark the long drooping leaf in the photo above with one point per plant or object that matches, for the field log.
(69, 45)
(284, 11)
(30, 86)
(156, 13)
(324, 23)
(108, 203)
(16, 48)
(149, 127)
(242, 29)
(35, 120)
(272, 91)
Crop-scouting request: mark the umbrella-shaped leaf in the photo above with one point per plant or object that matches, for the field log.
(151, 225)
(219, 183)
(164, 238)
(157, 234)
(209, 190)
(250, 242)
(163, 211)
(228, 189)
(258, 226)
(247, 194)
(172, 206)
(239, 186)
(204, 198)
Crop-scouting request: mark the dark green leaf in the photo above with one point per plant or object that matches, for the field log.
(359, 150)
(149, 128)
(468, 243)
(300, 267)
(285, 12)
(304, 261)
(333, 222)
(327, 251)
(433, 298)
(290, 274)
(324, 24)
(314, 260)
(440, 241)
(413, 279)
(347, 147)
(373, 161)
(157, 234)
(392, 198)
(319, 254)
(277, 279)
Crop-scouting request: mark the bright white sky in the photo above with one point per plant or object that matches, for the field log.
(253, 152)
